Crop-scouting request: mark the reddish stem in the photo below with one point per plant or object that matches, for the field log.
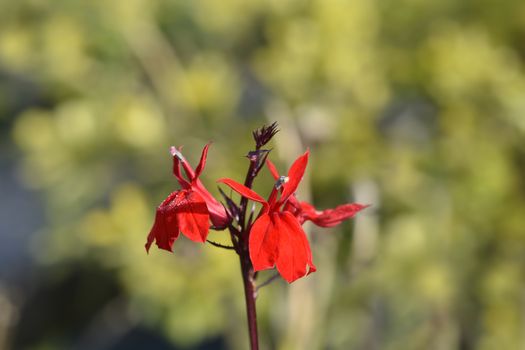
(248, 276)
(250, 295)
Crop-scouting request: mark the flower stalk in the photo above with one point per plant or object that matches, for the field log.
(250, 295)
(248, 274)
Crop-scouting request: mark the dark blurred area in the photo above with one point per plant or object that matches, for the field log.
(416, 107)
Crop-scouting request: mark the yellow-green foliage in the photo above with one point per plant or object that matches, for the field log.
(416, 106)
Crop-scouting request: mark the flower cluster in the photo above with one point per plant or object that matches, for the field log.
(273, 238)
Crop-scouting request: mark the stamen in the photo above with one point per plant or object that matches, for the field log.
(282, 180)
(175, 153)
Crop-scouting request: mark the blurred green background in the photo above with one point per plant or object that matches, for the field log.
(416, 107)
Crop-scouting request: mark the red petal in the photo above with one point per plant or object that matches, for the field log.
(176, 168)
(218, 214)
(190, 173)
(263, 244)
(293, 206)
(295, 257)
(193, 216)
(202, 162)
(330, 217)
(273, 169)
(165, 229)
(295, 175)
(245, 192)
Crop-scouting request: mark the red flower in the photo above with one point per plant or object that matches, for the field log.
(276, 237)
(304, 211)
(187, 210)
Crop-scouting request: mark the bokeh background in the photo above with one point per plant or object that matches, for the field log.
(416, 107)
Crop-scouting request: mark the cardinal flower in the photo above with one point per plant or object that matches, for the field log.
(188, 210)
(304, 211)
(276, 237)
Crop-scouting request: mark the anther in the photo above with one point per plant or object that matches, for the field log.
(282, 180)
(175, 153)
